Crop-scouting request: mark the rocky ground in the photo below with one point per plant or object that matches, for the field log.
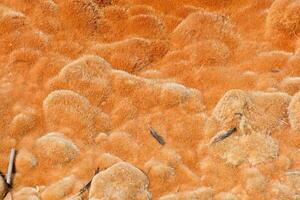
(82, 81)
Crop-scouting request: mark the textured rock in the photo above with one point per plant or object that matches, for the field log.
(226, 196)
(292, 179)
(154, 27)
(10, 19)
(78, 198)
(114, 12)
(208, 52)
(121, 181)
(3, 187)
(161, 173)
(283, 162)
(102, 71)
(199, 194)
(294, 61)
(282, 191)
(124, 111)
(290, 85)
(255, 148)
(261, 112)
(26, 193)
(100, 121)
(59, 190)
(87, 12)
(118, 143)
(101, 138)
(173, 94)
(65, 108)
(185, 10)
(140, 10)
(87, 76)
(255, 182)
(55, 148)
(281, 23)
(106, 160)
(131, 54)
(25, 161)
(294, 112)
(213, 26)
(21, 124)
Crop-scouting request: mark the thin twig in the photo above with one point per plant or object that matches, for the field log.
(159, 138)
(86, 186)
(222, 136)
(10, 167)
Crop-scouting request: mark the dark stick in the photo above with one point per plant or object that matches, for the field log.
(159, 138)
(223, 135)
(87, 185)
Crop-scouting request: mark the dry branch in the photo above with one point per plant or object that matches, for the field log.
(86, 186)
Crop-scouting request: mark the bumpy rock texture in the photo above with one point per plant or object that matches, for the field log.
(199, 194)
(120, 181)
(82, 81)
(251, 111)
(294, 112)
(54, 148)
(59, 190)
(3, 187)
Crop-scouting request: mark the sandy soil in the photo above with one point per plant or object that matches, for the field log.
(82, 81)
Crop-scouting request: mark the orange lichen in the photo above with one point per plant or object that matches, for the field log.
(82, 81)
(282, 23)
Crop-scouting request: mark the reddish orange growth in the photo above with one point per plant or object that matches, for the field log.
(81, 82)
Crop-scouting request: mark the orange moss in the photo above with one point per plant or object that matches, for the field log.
(99, 73)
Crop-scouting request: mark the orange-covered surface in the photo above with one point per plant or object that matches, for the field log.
(81, 82)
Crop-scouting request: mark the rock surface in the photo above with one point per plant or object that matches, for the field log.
(82, 81)
(25, 161)
(59, 190)
(255, 112)
(120, 181)
(3, 187)
(56, 149)
(26, 193)
(294, 112)
(199, 194)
